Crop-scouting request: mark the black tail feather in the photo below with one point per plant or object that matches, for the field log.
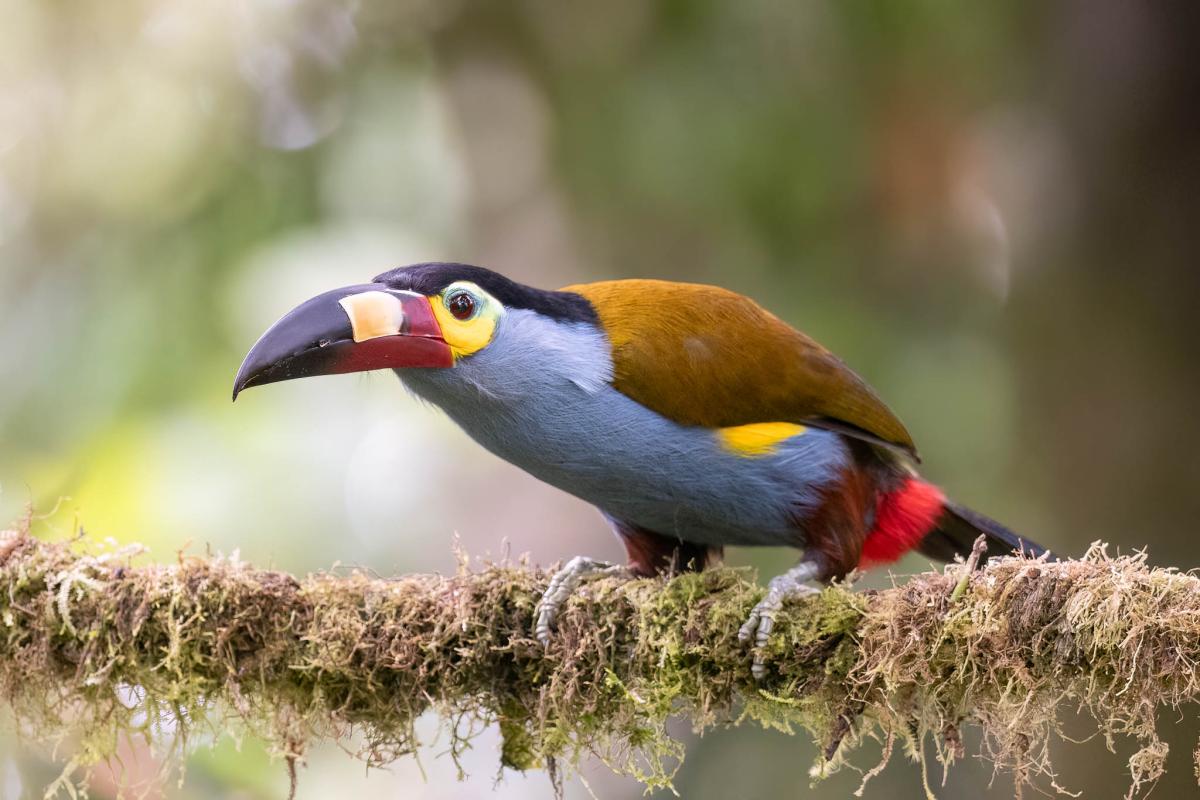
(959, 527)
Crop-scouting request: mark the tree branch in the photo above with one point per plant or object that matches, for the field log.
(91, 645)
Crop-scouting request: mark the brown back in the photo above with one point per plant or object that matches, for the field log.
(703, 355)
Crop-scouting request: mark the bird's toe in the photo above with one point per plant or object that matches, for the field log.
(562, 585)
(758, 626)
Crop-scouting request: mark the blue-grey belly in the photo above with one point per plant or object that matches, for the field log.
(642, 469)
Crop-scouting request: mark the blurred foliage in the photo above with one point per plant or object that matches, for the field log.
(989, 212)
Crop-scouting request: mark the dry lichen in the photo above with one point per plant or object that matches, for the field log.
(95, 647)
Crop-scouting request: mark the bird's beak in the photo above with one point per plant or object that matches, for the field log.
(353, 329)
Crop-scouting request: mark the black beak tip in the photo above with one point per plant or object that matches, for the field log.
(244, 380)
(239, 382)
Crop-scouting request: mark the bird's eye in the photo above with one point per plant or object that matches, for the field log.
(461, 305)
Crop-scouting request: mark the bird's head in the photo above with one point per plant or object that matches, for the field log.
(427, 316)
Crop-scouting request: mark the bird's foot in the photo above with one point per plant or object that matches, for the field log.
(563, 585)
(757, 628)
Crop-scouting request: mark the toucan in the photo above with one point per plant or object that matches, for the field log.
(689, 415)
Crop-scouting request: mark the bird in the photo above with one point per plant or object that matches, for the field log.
(689, 415)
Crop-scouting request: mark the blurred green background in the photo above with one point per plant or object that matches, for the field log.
(989, 210)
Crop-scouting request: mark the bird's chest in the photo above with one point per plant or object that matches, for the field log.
(637, 466)
(596, 444)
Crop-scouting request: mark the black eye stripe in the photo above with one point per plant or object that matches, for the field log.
(461, 305)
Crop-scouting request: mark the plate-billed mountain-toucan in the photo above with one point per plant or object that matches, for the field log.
(690, 416)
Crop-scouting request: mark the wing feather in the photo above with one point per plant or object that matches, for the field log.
(706, 356)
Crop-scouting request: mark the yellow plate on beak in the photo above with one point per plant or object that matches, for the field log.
(373, 314)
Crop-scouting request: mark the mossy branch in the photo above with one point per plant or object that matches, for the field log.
(93, 646)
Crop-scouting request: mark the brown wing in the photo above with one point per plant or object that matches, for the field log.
(702, 355)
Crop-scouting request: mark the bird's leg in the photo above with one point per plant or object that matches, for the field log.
(563, 585)
(793, 583)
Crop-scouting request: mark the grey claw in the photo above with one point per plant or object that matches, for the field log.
(748, 627)
(761, 622)
(562, 585)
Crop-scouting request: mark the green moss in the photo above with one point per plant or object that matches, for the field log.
(519, 748)
(95, 647)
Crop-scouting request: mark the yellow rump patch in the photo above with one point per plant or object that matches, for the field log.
(758, 439)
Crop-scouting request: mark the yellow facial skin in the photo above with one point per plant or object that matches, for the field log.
(470, 335)
(758, 439)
